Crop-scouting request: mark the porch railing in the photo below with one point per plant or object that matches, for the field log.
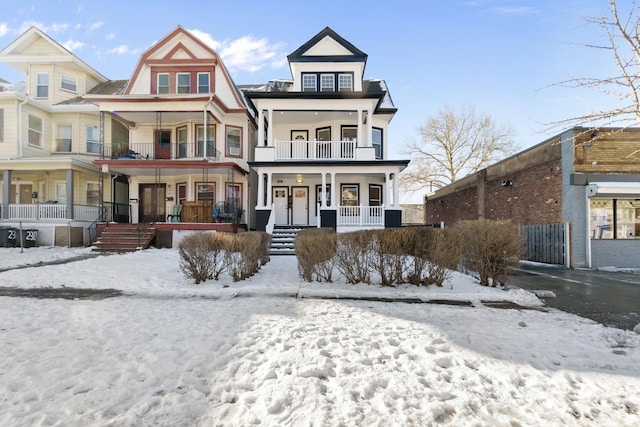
(151, 151)
(51, 212)
(366, 216)
(315, 150)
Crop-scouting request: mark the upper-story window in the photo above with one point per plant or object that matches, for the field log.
(69, 83)
(42, 85)
(376, 142)
(163, 83)
(327, 82)
(345, 82)
(234, 139)
(309, 82)
(63, 138)
(204, 86)
(93, 139)
(35, 131)
(184, 83)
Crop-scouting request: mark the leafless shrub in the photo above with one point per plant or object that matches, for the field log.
(489, 248)
(244, 253)
(389, 254)
(315, 251)
(201, 256)
(353, 256)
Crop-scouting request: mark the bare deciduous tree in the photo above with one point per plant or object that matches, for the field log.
(453, 144)
(622, 34)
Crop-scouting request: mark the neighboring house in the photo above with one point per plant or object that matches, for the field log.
(321, 155)
(177, 138)
(589, 180)
(49, 138)
(4, 85)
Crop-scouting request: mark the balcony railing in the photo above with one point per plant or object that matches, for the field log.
(151, 151)
(51, 212)
(362, 216)
(315, 150)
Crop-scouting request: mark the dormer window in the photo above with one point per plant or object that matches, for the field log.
(163, 83)
(42, 85)
(203, 83)
(327, 82)
(309, 82)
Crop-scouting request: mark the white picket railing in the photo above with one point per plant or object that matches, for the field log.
(362, 216)
(315, 150)
(51, 212)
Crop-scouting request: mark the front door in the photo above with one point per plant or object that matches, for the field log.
(152, 203)
(281, 205)
(300, 206)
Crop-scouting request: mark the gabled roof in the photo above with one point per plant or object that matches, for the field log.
(17, 53)
(305, 53)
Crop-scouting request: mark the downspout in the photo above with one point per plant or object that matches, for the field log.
(204, 130)
(587, 219)
(26, 99)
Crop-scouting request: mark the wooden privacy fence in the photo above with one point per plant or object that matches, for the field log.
(546, 243)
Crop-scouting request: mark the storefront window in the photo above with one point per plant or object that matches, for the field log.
(621, 215)
(627, 218)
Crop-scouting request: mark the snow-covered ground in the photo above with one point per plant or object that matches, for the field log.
(235, 354)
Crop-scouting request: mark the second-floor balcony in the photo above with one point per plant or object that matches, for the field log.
(155, 151)
(314, 150)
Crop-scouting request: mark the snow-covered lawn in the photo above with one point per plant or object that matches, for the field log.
(235, 354)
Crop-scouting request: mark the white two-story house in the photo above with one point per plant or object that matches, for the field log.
(321, 155)
(49, 138)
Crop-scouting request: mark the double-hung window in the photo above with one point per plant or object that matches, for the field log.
(327, 83)
(93, 139)
(309, 83)
(376, 142)
(68, 83)
(35, 131)
(234, 139)
(63, 138)
(210, 144)
(42, 85)
(345, 82)
(203, 83)
(93, 194)
(184, 83)
(163, 83)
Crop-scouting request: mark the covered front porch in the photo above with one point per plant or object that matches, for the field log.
(364, 195)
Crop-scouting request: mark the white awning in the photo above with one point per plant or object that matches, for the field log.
(613, 188)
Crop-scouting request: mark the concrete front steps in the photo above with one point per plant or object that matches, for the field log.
(282, 239)
(124, 237)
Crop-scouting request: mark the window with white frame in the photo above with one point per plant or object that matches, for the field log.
(93, 139)
(93, 194)
(42, 85)
(327, 83)
(234, 138)
(182, 142)
(204, 85)
(61, 192)
(349, 195)
(376, 141)
(63, 138)
(211, 141)
(35, 131)
(69, 83)
(163, 83)
(345, 82)
(184, 83)
(205, 192)
(309, 82)
(1, 125)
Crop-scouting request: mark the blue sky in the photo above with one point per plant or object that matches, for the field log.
(499, 56)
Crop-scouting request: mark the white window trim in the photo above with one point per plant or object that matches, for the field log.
(208, 81)
(178, 86)
(58, 137)
(38, 85)
(350, 88)
(39, 132)
(333, 82)
(315, 83)
(73, 79)
(158, 83)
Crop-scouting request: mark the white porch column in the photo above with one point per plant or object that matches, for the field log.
(270, 129)
(260, 128)
(359, 143)
(369, 129)
(260, 190)
(387, 189)
(334, 201)
(269, 191)
(323, 192)
(396, 190)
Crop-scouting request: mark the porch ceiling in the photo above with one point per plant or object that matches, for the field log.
(167, 168)
(305, 118)
(166, 117)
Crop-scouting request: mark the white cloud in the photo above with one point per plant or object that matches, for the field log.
(4, 29)
(110, 36)
(95, 25)
(523, 10)
(246, 53)
(123, 49)
(57, 28)
(73, 45)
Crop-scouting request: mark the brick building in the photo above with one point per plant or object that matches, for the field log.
(585, 178)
